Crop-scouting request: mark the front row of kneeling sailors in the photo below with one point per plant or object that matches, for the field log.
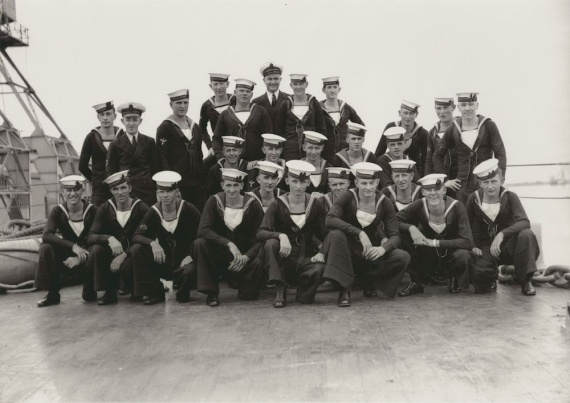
(296, 238)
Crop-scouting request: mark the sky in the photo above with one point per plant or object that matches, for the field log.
(515, 53)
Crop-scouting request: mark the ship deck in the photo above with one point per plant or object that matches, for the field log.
(434, 347)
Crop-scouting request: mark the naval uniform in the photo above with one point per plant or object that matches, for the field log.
(417, 150)
(291, 127)
(271, 107)
(253, 172)
(141, 161)
(336, 127)
(487, 144)
(229, 124)
(519, 247)
(344, 260)
(341, 158)
(319, 181)
(176, 238)
(453, 256)
(183, 154)
(386, 173)
(214, 179)
(54, 249)
(391, 192)
(122, 225)
(219, 226)
(255, 193)
(303, 231)
(95, 150)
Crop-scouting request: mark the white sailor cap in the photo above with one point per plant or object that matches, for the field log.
(487, 169)
(338, 173)
(166, 180)
(244, 83)
(356, 129)
(272, 140)
(298, 77)
(72, 182)
(131, 108)
(314, 138)
(467, 96)
(395, 133)
(117, 178)
(178, 95)
(444, 101)
(105, 106)
(403, 166)
(411, 106)
(268, 168)
(366, 170)
(299, 169)
(220, 77)
(233, 175)
(432, 181)
(232, 141)
(270, 68)
(330, 81)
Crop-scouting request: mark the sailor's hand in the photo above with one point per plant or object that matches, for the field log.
(81, 253)
(454, 184)
(210, 151)
(496, 245)
(117, 262)
(376, 252)
(239, 264)
(417, 237)
(158, 252)
(72, 262)
(317, 195)
(318, 258)
(234, 250)
(285, 246)
(477, 252)
(186, 260)
(115, 246)
(366, 244)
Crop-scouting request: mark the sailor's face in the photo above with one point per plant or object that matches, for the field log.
(354, 142)
(232, 189)
(408, 117)
(396, 148)
(468, 110)
(445, 113)
(121, 193)
(492, 186)
(434, 196)
(107, 118)
(299, 87)
(219, 88)
(132, 123)
(166, 197)
(402, 180)
(331, 91)
(244, 95)
(338, 185)
(267, 182)
(180, 107)
(297, 186)
(231, 153)
(272, 82)
(272, 154)
(366, 187)
(313, 151)
(72, 195)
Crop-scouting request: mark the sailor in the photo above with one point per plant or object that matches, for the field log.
(336, 114)
(95, 148)
(396, 144)
(232, 148)
(354, 246)
(298, 113)
(163, 244)
(272, 148)
(211, 110)
(226, 245)
(111, 236)
(179, 141)
(475, 139)
(501, 231)
(245, 120)
(313, 146)
(290, 230)
(436, 232)
(267, 175)
(136, 153)
(355, 153)
(72, 220)
(415, 145)
(273, 97)
(403, 191)
(444, 108)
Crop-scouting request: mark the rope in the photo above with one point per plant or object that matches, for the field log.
(22, 229)
(20, 287)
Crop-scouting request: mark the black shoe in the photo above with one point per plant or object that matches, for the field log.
(136, 298)
(280, 296)
(369, 292)
(527, 288)
(155, 300)
(343, 298)
(183, 298)
(124, 291)
(435, 280)
(50, 299)
(89, 295)
(493, 286)
(411, 289)
(212, 300)
(109, 298)
(454, 286)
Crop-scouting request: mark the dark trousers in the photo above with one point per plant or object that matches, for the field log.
(147, 273)
(467, 187)
(51, 267)
(344, 261)
(100, 258)
(212, 262)
(294, 269)
(520, 250)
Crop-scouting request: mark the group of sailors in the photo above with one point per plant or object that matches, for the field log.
(287, 196)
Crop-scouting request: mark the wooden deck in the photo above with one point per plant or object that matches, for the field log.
(434, 347)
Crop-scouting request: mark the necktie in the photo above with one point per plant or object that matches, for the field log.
(273, 99)
(135, 141)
